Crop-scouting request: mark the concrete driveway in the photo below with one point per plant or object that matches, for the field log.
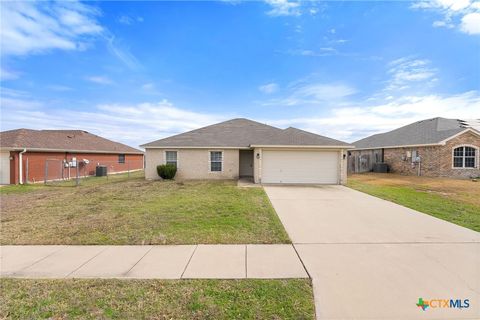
(373, 259)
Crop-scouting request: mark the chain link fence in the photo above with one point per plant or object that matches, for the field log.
(72, 171)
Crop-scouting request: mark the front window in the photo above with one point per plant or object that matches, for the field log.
(171, 157)
(121, 158)
(464, 157)
(216, 161)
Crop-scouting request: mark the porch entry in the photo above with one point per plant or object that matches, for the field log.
(246, 163)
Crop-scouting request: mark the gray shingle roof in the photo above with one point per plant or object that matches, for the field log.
(242, 133)
(71, 140)
(429, 131)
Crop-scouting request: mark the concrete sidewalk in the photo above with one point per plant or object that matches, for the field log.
(150, 262)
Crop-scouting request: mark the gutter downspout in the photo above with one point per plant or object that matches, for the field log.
(20, 166)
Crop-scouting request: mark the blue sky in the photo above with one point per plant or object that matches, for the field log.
(138, 71)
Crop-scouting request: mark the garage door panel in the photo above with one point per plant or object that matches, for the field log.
(300, 167)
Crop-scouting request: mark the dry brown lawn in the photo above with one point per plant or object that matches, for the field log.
(464, 190)
(453, 200)
(134, 211)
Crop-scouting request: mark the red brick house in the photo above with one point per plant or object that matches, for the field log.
(432, 147)
(38, 155)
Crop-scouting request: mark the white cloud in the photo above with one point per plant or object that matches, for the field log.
(283, 8)
(148, 86)
(322, 52)
(127, 20)
(324, 92)
(12, 93)
(122, 53)
(353, 123)
(99, 79)
(151, 89)
(453, 5)
(31, 27)
(294, 8)
(269, 88)
(139, 123)
(59, 87)
(131, 124)
(462, 13)
(310, 93)
(444, 23)
(232, 2)
(6, 74)
(408, 70)
(471, 23)
(21, 104)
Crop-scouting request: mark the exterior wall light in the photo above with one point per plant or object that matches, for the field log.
(258, 155)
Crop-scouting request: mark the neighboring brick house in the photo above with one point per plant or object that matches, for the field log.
(37, 155)
(434, 147)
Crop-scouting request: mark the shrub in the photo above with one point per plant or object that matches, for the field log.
(167, 171)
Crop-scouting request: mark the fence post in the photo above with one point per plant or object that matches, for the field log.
(77, 182)
(46, 172)
(128, 169)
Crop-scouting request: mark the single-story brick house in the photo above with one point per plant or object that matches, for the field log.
(437, 147)
(35, 155)
(245, 148)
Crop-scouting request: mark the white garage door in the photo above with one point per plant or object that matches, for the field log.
(300, 167)
(5, 167)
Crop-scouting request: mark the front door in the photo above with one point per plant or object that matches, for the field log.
(246, 163)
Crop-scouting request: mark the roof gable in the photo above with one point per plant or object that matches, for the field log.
(242, 133)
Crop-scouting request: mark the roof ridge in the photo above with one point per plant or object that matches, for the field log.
(426, 131)
(59, 140)
(242, 133)
(209, 126)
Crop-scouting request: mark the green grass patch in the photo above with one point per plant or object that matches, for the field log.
(156, 299)
(424, 200)
(124, 210)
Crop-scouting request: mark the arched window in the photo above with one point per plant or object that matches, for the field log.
(464, 157)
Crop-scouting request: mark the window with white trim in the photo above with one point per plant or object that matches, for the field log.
(216, 161)
(171, 157)
(464, 157)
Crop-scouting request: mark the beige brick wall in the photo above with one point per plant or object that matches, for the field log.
(193, 164)
(446, 163)
(343, 167)
(436, 161)
(257, 169)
